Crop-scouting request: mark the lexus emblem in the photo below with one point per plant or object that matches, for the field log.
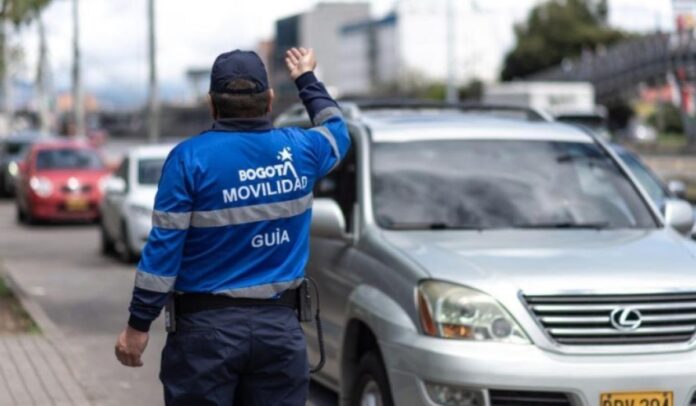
(626, 318)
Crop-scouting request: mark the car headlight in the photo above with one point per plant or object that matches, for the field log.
(43, 187)
(140, 211)
(453, 311)
(13, 169)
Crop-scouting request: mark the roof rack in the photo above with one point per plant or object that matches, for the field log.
(529, 113)
(353, 108)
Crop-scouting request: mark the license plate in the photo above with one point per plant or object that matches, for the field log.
(637, 399)
(76, 204)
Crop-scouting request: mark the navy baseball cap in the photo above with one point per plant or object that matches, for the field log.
(238, 64)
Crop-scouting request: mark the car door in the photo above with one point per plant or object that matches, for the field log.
(329, 266)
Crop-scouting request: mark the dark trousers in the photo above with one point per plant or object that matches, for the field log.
(256, 353)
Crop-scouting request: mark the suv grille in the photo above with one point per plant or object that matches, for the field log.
(527, 398)
(616, 319)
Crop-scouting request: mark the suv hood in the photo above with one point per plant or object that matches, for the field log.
(554, 261)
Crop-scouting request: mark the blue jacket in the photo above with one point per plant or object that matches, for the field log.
(234, 206)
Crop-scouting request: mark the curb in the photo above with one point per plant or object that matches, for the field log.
(46, 325)
(91, 389)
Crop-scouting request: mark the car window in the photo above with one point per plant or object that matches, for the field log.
(68, 158)
(341, 185)
(150, 170)
(652, 185)
(485, 184)
(15, 148)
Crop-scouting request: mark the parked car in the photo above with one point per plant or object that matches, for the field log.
(12, 150)
(465, 259)
(129, 200)
(60, 180)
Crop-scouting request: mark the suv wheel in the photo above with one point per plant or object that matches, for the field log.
(371, 386)
(107, 244)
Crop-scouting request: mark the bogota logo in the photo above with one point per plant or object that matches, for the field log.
(275, 179)
(285, 155)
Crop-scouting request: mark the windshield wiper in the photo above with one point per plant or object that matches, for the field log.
(599, 225)
(570, 158)
(432, 226)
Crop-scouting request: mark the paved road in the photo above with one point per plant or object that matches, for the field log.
(86, 296)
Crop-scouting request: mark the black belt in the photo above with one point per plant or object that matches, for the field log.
(197, 302)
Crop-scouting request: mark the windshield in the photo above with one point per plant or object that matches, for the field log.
(149, 171)
(483, 184)
(68, 158)
(14, 148)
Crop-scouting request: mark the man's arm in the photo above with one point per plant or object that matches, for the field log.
(161, 258)
(331, 135)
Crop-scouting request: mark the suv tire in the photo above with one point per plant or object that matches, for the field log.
(371, 383)
(125, 252)
(107, 244)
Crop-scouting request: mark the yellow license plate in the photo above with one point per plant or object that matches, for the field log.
(76, 204)
(637, 399)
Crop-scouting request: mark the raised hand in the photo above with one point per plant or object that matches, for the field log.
(299, 61)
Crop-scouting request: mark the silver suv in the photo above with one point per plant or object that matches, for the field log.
(471, 258)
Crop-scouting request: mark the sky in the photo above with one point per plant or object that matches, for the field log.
(191, 34)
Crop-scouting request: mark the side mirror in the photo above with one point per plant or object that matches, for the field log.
(679, 215)
(115, 186)
(327, 220)
(677, 188)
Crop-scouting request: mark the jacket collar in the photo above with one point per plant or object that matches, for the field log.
(242, 124)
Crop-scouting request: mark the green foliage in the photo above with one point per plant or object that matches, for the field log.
(4, 290)
(434, 91)
(556, 30)
(21, 11)
(472, 91)
(667, 118)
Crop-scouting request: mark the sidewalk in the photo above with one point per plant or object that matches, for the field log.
(32, 372)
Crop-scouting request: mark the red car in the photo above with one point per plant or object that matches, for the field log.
(60, 181)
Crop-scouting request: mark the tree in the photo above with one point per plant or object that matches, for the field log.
(21, 11)
(15, 12)
(556, 30)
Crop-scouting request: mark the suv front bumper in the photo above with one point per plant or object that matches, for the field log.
(416, 360)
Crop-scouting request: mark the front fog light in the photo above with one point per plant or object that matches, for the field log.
(453, 311)
(448, 395)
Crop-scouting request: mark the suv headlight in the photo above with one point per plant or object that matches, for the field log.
(43, 187)
(453, 311)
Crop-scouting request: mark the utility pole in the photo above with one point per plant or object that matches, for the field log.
(452, 91)
(42, 78)
(78, 96)
(153, 99)
(8, 97)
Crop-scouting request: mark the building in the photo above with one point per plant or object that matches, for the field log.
(409, 47)
(370, 56)
(318, 28)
